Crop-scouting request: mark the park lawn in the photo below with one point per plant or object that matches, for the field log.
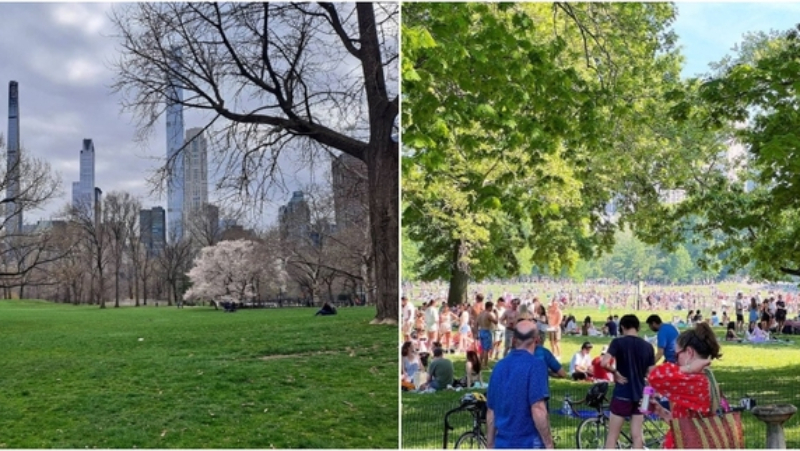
(82, 377)
(770, 373)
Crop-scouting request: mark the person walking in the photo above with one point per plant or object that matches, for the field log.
(517, 415)
(634, 358)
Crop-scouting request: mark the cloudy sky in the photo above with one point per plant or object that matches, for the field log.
(60, 55)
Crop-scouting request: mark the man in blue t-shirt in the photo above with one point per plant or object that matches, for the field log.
(665, 340)
(517, 413)
(634, 359)
(554, 368)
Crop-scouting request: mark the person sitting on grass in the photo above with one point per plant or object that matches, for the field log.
(730, 334)
(411, 364)
(580, 367)
(571, 327)
(440, 371)
(759, 335)
(598, 372)
(326, 310)
(473, 369)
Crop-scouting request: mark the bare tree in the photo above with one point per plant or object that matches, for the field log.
(174, 262)
(120, 211)
(300, 77)
(23, 252)
(96, 241)
(70, 271)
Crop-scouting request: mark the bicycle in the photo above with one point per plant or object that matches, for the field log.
(592, 431)
(475, 404)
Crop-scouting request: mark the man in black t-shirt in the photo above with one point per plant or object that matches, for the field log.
(634, 359)
(780, 313)
(611, 327)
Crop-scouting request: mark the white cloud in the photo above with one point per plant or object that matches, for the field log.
(88, 18)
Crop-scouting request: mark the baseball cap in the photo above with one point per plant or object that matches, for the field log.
(587, 345)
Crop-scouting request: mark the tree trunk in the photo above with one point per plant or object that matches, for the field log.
(116, 287)
(459, 279)
(144, 291)
(101, 298)
(383, 172)
(136, 285)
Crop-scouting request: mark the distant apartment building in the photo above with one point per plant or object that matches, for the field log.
(83, 191)
(152, 229)
(195, 170)
(294, 218)
(349, 176)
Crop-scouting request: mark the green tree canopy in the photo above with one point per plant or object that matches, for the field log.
(749, 203)
(521, 122)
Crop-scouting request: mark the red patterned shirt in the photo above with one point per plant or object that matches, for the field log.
(685, 392)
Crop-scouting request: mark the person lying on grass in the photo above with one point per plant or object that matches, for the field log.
(326, 310)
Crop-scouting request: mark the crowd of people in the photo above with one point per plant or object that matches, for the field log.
(524, 336)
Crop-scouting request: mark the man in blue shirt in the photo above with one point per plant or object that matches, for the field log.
(665, 340)
(554, 368)
(518, 390)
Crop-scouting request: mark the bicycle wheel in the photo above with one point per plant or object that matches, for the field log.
(591, 434)
(471, 440)
(654, 434)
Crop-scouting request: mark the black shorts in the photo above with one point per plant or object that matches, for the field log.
(624, 407)
(780, 315)
(739, 317)
(765, 317)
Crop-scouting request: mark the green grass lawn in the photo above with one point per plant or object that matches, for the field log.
(769, 373)
(82, 377)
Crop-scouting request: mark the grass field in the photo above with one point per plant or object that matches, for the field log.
(82, 377)
(768, 372)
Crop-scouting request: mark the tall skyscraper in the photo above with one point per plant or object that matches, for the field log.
(349, 176)
(295, 217)
(152, 229)
(83, 190)
(175, 178)
(12, 191)
(195, 179)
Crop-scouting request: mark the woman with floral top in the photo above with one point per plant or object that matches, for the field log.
(685, 383)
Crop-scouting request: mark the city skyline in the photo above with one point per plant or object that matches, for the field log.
(62, 107)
